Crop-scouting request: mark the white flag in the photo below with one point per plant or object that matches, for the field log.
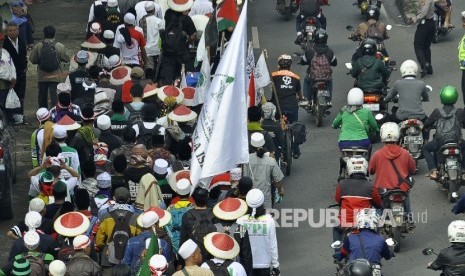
(220, 138)
(183, 79)
(203, 83)
(250, 63)
(262, 76)
(201, 53)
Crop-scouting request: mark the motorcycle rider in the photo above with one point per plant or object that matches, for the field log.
(411, 93)
(371, 28)
(448, 96)
(451, 259)
(272, 126)
(365, 242)
(309, 8)
(288, 88)
(323, 70)
(354, 194)
(446, 7)
(370, 73)
(392, 162)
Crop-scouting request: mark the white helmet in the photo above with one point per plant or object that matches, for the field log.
(269, 110)
(367, 218)
(355, 96)
(456, 231)
(357, 164)
(409, 68)
(389, 132)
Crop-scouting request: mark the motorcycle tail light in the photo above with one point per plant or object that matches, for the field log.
(321, 85)
(1, 152)
(310, 21)
(413, 122)
(371, 98)
(397, 198)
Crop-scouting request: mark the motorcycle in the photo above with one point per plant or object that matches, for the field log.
(364, 4)
(348, 153)
(412, 137)
(318, 106)
(381, 52)
(376, 268)
(450, 170)
(287, 8)
(308, 27)
(394, 202)
(440, 30)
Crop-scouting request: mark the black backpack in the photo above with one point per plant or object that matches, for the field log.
(48, 60)
(448, 127)
(203, 226)
(219, 269)
(119, 237)
(300, 132)
(173, 40)
(135, 116)
(147, 136)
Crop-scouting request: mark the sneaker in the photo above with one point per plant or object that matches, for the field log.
(303, 103)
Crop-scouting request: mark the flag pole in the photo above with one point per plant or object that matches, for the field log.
(265, 52)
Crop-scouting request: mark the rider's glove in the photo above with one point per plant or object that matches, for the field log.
(462, 63)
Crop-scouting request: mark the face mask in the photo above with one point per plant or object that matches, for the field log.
(47, 189)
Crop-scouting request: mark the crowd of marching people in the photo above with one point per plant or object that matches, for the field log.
(110, 188)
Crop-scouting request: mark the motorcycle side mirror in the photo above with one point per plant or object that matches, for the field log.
(379, 117)
(429, 88)
(336, 245)
(349, 28)
(391, 242)
(388, 27)
(348, 65)
(455, 195)
(428, 251)
(392, 63)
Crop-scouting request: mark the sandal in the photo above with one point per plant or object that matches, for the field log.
(433, 174)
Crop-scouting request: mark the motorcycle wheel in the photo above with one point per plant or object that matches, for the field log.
(287, 136)
(319, 112)
(452, 188)
(287, 13)
(397, 237)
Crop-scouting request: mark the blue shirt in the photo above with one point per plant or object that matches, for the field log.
(374, 245)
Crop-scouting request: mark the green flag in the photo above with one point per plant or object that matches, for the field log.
(152, 250)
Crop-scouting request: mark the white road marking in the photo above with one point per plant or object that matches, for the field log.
(255, 40)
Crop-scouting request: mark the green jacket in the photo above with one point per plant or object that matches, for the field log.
(351, 128)
(370, 73)
(461, 52)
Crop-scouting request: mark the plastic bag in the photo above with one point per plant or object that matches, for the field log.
(12, 100)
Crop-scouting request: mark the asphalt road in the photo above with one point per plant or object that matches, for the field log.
(304, 250)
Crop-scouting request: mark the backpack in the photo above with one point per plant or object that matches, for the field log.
(146, 136)
(320, 69)
(175, 225)
(448, 127)
(135, 116)
(173, 40)
(66, 251)
(219, 269)
(203, 226)
(374, 32)
(119, 237)
(300, 132)
(48, 57)
(37, 264)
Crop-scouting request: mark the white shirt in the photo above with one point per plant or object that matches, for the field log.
(262, 236)
(129, 55)
(34, 189)
(235, 268)
(201, 7)
(15, 44)
(152, 36)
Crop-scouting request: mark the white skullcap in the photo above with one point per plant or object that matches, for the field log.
(158, 263)
(255, 199)
(57, 268)
(183, 186)
(31, 239)
(37, 205)
(103, 122)
(81, 242)
(130, 19)
(149, 218)
(257, 139)
(108, 34)
(187, 249)
(33, 219)
(112, 3)
(149, 6)
(59, 131)
(160, 166)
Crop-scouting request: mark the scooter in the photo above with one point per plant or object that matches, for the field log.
(318, 106)
(440, 30)
(308, 27)
(348, 153)
(450, 170)
(287, 8)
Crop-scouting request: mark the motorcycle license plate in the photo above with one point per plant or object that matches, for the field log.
(451, 165)
(372, 107)
(323, 93)
(377, 272)
(397, 209)
(414, 140)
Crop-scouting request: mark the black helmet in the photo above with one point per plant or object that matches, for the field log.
(359, 267)
(369, 46)
(372, 12)
(285, 61)
(320, 36)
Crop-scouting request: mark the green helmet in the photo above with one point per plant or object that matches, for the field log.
(448, 95)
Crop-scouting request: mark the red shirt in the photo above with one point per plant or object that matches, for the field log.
(386, 176)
